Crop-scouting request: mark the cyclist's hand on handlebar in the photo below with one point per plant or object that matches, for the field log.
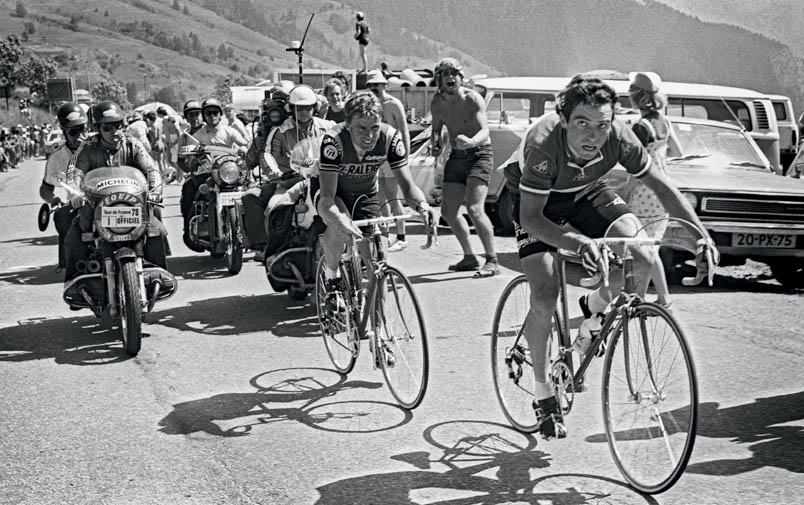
(77, 201)
(591, 257)
(347, 227)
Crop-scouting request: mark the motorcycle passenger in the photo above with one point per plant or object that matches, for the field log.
(256, 199)
(351, 156)
(110, 147)
(301, 125)
(73, 122)
(192, 114)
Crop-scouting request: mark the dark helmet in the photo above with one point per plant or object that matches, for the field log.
(211, 103)
(107, 112)
(71, 115)
(191, 106)
(448, 64)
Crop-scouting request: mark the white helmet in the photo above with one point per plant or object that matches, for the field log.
(302, 95)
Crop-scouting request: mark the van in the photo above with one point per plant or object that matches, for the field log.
(510, 100)
(788, 129)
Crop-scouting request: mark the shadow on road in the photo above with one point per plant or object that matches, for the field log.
(34, 276)
(234, 315)
(200, 266)
(68, 340)
(755, 425)
(301, 395)
(46, 240)
(476, 462)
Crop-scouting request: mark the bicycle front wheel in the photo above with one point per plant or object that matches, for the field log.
(511, 363)
(337, 328)
(401, 343)
(650, 399)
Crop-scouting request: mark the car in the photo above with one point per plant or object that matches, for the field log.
(54, 140)
(788, 129)
(748, 210)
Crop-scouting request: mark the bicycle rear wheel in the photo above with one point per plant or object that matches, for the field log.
(511, 365)
(650, 399)
(401, 339)
(338, 329)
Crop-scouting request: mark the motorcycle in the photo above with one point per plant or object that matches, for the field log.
(216, 219)
(116, 277)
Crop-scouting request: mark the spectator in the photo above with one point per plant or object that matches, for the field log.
(361, 35)
(138, 129)
(335, 93)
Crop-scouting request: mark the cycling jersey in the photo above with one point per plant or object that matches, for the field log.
(549, 169)
(358, 175)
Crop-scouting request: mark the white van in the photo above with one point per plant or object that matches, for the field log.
(788, 128)
(509, 99)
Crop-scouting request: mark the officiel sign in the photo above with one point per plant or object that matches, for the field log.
(60, 90)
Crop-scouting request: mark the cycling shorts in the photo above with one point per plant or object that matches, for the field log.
(359, 206)
(591, 214)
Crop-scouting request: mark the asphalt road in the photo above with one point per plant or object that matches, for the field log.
(232, 399)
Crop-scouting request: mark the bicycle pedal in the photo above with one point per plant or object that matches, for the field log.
(576, 388)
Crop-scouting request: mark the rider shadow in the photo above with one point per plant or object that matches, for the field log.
(33, 276)
(70, 341)
(237, 314)
(755, 425)
(303, 395)
(45, 240)
(491, 462)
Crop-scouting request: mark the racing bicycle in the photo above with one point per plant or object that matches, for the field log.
(381, 307)
(649, 384)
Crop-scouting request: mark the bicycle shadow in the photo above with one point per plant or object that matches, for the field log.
(238, 314)
(755, 425)
(491, 462)
(295, 395)
(68, 340)
(33, 276)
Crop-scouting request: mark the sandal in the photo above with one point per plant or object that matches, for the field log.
(490, 269)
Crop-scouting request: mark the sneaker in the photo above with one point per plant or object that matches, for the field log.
(334, 302)
(399, 245)
(550, 418)
(467, 264)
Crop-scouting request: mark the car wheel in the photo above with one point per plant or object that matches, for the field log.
(505, 213)
(789, 272)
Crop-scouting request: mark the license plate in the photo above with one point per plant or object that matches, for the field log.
(229, 198)
(121, 217)
(763, 240)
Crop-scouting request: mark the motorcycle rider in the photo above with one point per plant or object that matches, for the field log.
(73, 122)
(302, 124)
(192, 114)
(211, 133)
(110, 147)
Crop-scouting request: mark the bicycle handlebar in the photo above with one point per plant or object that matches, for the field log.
(383, 219)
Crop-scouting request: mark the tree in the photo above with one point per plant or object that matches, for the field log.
(167, 95)
(185, 10)
(111, 90)
(22, 70)
(20, 11)
(176, 5)
(222, 91)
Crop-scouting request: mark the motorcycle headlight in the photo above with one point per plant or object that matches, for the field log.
(229, 172)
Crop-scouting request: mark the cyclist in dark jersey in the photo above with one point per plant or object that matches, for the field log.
(351, 156)
(564, 156)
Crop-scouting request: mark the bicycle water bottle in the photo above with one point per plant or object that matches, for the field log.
(587, 333)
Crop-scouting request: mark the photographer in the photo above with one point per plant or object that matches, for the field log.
(255, 201)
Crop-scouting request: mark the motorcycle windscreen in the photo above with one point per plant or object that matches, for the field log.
(104, 181)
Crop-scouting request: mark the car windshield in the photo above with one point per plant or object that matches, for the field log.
(714, 146)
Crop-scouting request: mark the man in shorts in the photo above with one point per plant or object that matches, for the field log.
(351, 156)
(565, 156)
(468, 169)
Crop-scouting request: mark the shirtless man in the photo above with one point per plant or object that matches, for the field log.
(468, 169)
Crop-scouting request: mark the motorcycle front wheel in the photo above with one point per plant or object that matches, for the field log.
(231, 235)
(128, 289)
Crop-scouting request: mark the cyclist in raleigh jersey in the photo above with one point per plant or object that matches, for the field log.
(565, 154)
(351, 156)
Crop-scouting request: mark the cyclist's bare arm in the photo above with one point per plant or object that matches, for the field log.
(328, 209)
